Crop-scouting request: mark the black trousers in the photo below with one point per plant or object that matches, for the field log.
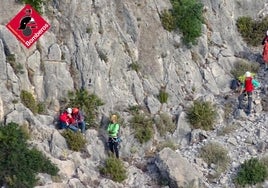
(241, 97)
(114, 146)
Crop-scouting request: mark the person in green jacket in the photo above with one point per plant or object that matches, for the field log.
(113, 130)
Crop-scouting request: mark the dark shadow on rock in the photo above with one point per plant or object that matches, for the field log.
(250, 56)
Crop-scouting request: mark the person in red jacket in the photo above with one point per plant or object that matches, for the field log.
(67, 121)
(246, 90)
(265, 38)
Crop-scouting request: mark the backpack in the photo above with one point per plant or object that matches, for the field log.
(235, 84)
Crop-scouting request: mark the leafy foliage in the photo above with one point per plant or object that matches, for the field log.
(240, 67)
(75, 140)
(167, 144)
(18, 163)
(114, 169)
(36, 4)
(214, 153)
(187, 16)
(143, 127)
(252, 171)
(135, 66)
(251, 30)
(163, 96)
(17, 67)
(168, 20)
(86, 102)
(29, 101)
(202, 115)
(164, 124)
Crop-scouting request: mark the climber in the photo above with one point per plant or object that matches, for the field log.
(247, 88)
(265, 54)
(67, 121)
(113, 131)
(265, 38)
(79, 119)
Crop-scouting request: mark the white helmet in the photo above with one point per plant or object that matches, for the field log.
(248, 74)
(69, 110)
(267, 32)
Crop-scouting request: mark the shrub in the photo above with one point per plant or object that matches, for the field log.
(252, 171)
(135, 66)
(114, 169)
(162, 96)
(187, 15)
(36, 4)
(86, 102)
(202, 115)
(168, 20)
(41, 108)
(134, 109)
(19, 164)
(143, 127)
(28, 100)
(214, 153)
(166, 144)
(241, 67)
(252, 31)
(164, 124)
(75, 140)
(17, 67)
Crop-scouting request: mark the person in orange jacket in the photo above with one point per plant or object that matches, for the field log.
(265, 54)
(79, 119)
(67, 121)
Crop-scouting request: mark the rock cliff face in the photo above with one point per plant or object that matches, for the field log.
(92, 44)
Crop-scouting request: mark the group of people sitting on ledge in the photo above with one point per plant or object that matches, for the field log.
(73, 119)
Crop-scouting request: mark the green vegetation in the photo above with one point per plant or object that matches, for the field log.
(75, 140)
(162, 96)
(114, 169)
(164, 124)
(251, 30)
(241, 67)
(17, 67)
(168, 20)
(202, 115)
(166, 144)
(143, 126)
(36, 4)
(41, 108)
(135, 66)
(88, 103)
(252, 171)
(19, 164)
(134, 109)
(187, 16)
(89, 30)
(214, 153)
(29, 101)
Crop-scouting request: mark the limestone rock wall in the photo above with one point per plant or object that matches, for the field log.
(93, 44)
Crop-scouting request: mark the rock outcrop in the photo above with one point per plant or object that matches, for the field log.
(93, 44)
